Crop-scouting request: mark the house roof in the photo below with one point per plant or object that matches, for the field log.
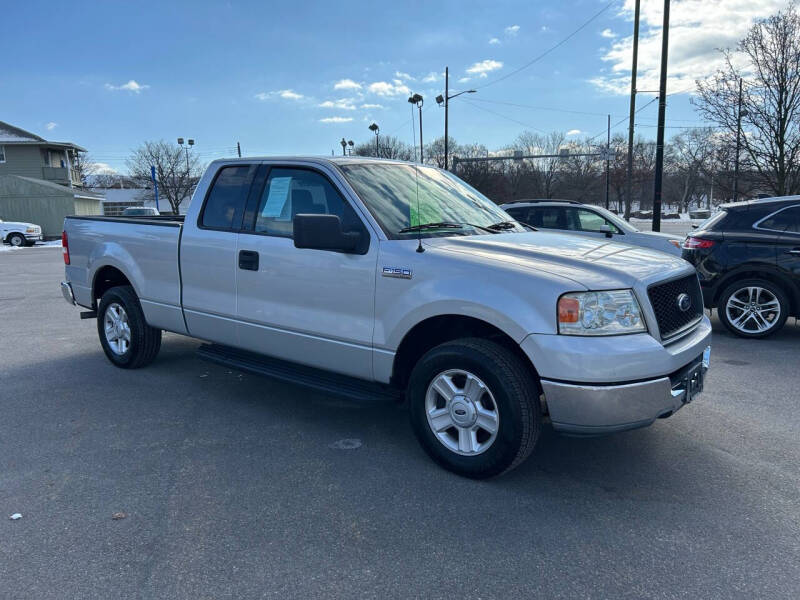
(60, 188)
(11, 135)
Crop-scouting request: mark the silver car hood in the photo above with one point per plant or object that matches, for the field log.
(593, 263)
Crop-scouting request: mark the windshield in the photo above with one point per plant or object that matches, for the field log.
(389, 192)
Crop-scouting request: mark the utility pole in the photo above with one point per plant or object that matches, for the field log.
(608, 159)
(738, 141)
(662, 107)
(446, 100)
(629, 178)
(239, 149)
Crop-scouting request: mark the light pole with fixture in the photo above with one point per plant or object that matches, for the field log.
(189, 143)
(443, 101)
(344, 145)
(417, 99)
(350, 143)
(376, 130)
(739, 114)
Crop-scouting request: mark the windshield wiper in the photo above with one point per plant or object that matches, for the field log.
(444, 225)
(506, 225)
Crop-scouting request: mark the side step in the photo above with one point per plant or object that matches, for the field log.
(324, 381)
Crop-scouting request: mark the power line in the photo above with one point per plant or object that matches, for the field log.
(503, 116)
(564, 110)
(550, 49)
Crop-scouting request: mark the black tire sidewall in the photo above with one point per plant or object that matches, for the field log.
(125, 297)
(776, 290)
(506, 446)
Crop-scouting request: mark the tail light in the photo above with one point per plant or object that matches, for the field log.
(693, 243)
(65, 247)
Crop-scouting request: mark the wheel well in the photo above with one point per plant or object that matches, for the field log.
(431, 332)
(783, 283)
(105, 279)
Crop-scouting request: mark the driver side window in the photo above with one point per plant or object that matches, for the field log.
(587, 220)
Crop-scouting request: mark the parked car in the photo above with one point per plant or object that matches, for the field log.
(19, 234)
(366, 276)
(586, 219)
(748, 260)
(140, 211)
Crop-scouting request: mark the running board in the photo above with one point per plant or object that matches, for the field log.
(324, 381)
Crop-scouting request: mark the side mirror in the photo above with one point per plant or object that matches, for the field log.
(606, 228)
(324, 232)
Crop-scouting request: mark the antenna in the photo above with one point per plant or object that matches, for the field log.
(416, 180)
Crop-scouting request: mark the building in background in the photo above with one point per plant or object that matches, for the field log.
(39, 182)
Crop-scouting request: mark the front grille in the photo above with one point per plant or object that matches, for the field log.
(664, 298)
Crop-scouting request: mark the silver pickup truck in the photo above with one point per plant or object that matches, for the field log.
(366, 277)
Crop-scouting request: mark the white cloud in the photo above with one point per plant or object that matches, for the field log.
(131, 86)
(371, 106)
(104, 169)
(464, 79)
(343, 103)
(384, 88)
(285, 94)
(544, 29)
(346, 84)
(494, 41)
(607, 33)
(574, 132)
(485, 66)
(336, 120)
(51, 125)
(697, 29)
(512, 30)
(402, 75)
(431, 77)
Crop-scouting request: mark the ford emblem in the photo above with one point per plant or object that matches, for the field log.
(684, 302)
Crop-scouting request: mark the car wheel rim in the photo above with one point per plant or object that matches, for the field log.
(117, 329)
(753, 309)
(462, 412)
(16, 241)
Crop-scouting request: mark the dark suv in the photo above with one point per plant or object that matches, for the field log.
(748, 259)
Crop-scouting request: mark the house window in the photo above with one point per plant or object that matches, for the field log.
(2, 154)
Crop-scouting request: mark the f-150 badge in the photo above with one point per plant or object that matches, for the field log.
(398, 272)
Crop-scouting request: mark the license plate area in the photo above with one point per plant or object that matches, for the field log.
(693, 383)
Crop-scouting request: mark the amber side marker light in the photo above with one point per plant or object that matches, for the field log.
(568, 309)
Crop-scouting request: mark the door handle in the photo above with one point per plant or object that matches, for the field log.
(248, 260)
(794, 251)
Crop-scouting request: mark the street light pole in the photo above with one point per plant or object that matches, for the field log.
(662, 107)
(376, 130)
(629, 174)
(418, 100)
(608, 159)
(445, 101)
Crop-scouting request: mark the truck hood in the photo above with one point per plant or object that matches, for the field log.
(17, 225)
(594, 263)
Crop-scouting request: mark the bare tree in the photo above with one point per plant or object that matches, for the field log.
(176, 180)
(688, 157)
(85, 167)
(389, 146)
(543, 170)
(770, 100)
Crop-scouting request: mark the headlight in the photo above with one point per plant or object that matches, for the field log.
(611, 312)
(30, 230)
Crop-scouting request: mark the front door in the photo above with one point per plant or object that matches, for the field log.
(314, 307)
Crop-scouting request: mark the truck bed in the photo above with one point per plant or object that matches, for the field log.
(144, 249)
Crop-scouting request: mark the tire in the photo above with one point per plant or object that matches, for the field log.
(769, 304)
(17, 240)
(510, 391)
(133, 344)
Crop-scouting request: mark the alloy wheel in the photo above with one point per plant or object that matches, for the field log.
(753, 309)
(117, 329)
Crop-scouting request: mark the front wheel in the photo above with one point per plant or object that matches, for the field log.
(17, 240)
(128, 341)
(474, 407)
(753, 308)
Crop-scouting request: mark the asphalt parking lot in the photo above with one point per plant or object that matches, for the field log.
(235, 486)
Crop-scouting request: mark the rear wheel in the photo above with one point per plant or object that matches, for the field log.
(17, 240)
(128, 341)
(753, 308)
(474, 407)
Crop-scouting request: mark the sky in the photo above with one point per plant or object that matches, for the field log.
(296, 77)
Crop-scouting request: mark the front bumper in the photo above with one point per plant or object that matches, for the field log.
(66, 291)
(586, 409)
(33, 237)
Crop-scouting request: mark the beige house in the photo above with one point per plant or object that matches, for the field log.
(38, 181)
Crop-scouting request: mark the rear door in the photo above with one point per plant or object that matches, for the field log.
(786, 224)
(314, 307)
(209, 258)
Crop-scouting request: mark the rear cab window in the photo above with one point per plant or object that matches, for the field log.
(224, 204)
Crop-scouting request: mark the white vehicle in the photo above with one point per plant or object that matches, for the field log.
(364, 276)
(586, 219)
(140, 211)
(19, 234)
